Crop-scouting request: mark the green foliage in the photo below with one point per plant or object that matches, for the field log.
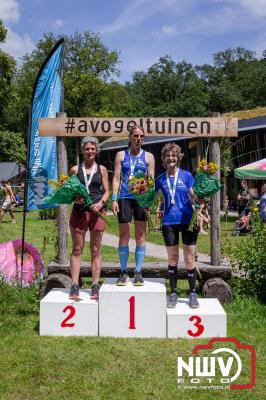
(7, 70)
(3, 32)
(248, 261)
(2, 194)
(88, 67)
(235, 81)
(47, 213)
(50, 239)
(12, 147)
(168, 89)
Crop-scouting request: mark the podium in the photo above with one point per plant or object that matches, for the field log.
(133, 311)
(60, 316)
(130, 311)
(209, 320)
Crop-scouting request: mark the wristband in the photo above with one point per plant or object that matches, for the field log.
(114, 197)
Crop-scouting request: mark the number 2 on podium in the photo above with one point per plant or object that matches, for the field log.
(72, 312)
(132, 312)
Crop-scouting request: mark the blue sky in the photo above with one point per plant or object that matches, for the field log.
(141, 30)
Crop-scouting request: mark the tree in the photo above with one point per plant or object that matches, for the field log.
(12, 147)
(88, 66)
(7, 70)
(236, 81)
(168, 89)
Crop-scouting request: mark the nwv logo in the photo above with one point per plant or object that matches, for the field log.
(221, 366)
(207, 366)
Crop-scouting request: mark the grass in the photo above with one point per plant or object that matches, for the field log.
(203, 244)
(42, 235)
(34, 367)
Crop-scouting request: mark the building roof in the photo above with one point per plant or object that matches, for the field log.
(247, 114)
(252, 124)
(9, 169)
(249, 119)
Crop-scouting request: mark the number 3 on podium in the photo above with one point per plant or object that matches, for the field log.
(197, 324)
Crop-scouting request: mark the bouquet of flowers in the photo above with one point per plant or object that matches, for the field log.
(66, 189)
(142, 189)
(205, 186)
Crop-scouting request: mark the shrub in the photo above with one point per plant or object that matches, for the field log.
(248, 259)
(48, 213)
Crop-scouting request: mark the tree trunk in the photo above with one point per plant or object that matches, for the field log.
(215, 207)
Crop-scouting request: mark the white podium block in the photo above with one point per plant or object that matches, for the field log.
(209, 320)
(133, 311)
(60, 316)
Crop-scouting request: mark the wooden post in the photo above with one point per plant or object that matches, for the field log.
(62, 225)
(77, 150)
(225, 196)
(215, 207)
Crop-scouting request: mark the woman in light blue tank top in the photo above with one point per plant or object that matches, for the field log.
(131, 164)
(124, 206)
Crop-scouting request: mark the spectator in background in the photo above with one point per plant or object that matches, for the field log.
(159, 216)
(243, 197)
(203, 216)
(263, 203)
(242, 224)
(9, 200)
(19, 199)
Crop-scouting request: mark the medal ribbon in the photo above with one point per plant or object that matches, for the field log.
(172, 190)
(88, 181)
(133, 163)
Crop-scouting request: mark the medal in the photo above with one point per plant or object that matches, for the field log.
(133, 163)
(172, 190)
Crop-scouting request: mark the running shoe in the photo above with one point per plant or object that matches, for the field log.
(123, 279)
(138, 280)
(95, 291)
(172, 300)
(74, 291)
(193, 301)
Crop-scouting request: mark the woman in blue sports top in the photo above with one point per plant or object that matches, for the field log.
(176, 186)
(128, 163)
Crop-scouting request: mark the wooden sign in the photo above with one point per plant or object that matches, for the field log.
(201, 127)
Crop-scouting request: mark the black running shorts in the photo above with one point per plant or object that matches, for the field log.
(171, 235)
(129, 208)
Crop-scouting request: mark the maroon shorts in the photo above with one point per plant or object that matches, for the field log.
(84, 220)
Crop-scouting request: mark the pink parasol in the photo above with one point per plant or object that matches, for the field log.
(10, 263)
(255, 170)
